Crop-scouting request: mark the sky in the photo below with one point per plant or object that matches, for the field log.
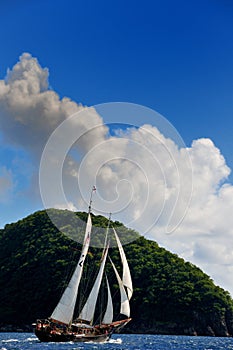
(157, 143)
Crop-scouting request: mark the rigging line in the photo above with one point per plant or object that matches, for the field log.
(102, 300)
(116, 291)
(90, 274)
(112, 276)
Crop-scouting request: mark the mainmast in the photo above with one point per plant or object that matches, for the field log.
(106, 236)
(90, 203)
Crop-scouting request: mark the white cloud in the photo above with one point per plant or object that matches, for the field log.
(69, 206)
(30, 111)
(143, 176)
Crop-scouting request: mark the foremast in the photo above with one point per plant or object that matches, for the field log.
(88, 311)
(64, 311)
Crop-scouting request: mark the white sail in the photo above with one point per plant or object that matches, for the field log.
(88, 310)
(125, 308)
(126, 277)
(65, 308)
(108, 316)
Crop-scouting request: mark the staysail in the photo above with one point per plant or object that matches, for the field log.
(125, 308)
(108, 316)
(126, 276)
(65, 308)
(88, 311)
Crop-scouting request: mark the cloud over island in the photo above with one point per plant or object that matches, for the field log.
(138, 169)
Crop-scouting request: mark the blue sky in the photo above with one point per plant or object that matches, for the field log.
(172, 56)
(175, 57)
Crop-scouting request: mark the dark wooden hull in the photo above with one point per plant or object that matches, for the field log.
(74, 337)
(100, 333)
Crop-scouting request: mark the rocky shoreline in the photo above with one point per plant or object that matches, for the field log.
(219, 328)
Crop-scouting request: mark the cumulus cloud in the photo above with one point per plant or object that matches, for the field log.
(141, 175)
(30, 111)
(144, 178)
(205, 236)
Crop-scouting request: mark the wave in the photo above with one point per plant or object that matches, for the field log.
(111, 341)
(115, 341)
(31, 339)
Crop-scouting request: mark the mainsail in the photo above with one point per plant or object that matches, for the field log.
(65, 308)
(126, 276)
(88, 311)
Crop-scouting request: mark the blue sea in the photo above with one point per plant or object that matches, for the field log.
(25, 341)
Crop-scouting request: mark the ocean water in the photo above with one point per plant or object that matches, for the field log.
(26, 341)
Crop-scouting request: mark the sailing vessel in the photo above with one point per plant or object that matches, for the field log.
(62, 326)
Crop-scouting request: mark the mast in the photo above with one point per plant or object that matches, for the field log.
(90, 202)
(106, 236)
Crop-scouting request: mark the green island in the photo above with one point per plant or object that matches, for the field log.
(171, 296)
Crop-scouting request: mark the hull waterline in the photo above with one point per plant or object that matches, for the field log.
(79, 338)
(99, 333)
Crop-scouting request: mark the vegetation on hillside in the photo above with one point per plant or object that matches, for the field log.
(170, 295)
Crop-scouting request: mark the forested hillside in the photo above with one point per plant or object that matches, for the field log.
(171, 296)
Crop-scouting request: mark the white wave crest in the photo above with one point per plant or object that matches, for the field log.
(10, 340)
(115, 341)
(31, 339)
